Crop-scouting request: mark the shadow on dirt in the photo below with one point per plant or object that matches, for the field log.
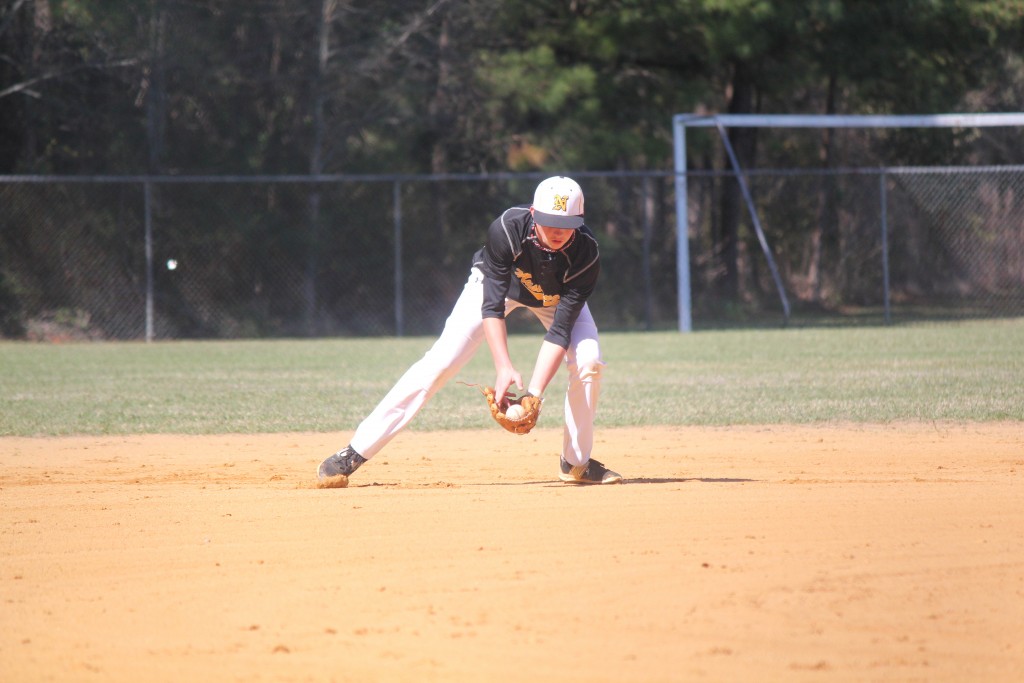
(680, 480)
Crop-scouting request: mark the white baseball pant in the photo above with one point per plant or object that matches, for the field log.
(460, 339)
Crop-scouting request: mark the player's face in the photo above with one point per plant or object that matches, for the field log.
(553, 238)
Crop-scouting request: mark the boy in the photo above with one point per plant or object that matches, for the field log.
(542, 258)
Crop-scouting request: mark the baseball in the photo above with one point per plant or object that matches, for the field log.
(515, 412)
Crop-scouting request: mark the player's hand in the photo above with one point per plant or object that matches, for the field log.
(505, 378)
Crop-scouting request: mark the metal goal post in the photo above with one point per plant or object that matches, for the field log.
(680, 123)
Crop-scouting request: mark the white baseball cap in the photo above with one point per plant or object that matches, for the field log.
(558, 203)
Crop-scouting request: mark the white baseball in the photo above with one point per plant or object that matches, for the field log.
(515, 412)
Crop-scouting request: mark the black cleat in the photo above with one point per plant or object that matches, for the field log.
(592, 472)
(342, 463)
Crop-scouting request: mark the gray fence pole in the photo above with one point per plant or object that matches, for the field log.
(648, 211)
(396, 203)
(883, 195)
(745, 190)
(309, 294)
(682, 229)
(147, 194)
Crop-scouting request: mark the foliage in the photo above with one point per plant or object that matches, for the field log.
(446, 86)
(205, 86)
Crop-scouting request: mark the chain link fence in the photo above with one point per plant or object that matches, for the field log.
(222, 257)
(868, 245)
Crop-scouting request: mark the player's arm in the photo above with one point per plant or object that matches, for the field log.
(496, 267)
(556, 340)
(505, 373)
(549, 358)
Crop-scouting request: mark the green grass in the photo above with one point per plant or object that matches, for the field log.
(970, 371)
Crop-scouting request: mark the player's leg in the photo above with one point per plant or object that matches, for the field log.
(462, 335)
(583, 360)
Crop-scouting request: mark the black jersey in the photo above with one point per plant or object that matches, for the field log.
(517, 267)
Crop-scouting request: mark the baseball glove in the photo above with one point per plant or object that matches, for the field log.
(517, 425)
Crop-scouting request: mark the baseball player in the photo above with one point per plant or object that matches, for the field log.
(541, 258)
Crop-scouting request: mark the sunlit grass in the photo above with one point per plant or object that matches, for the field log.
(959, 371)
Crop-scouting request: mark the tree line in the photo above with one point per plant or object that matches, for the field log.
(298, 86)
(449, 86)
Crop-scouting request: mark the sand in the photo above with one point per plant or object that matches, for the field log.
(812, 553)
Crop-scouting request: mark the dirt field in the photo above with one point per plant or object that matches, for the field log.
(857, 553)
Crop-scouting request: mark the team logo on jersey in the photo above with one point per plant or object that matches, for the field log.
(561, 202)
(535, 289)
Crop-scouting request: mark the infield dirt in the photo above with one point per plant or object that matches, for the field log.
(824, 553)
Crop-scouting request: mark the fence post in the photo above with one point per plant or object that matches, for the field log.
(309, 297)
(883, 195)
(745, 190)
(648, 211)
(682, 228)
(396, 203)
(147, 208)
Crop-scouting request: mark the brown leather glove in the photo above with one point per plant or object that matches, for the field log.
(517, 425)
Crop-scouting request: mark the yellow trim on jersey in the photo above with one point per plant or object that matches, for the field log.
(527, 280)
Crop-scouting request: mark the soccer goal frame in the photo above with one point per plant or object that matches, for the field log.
(722, 122)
